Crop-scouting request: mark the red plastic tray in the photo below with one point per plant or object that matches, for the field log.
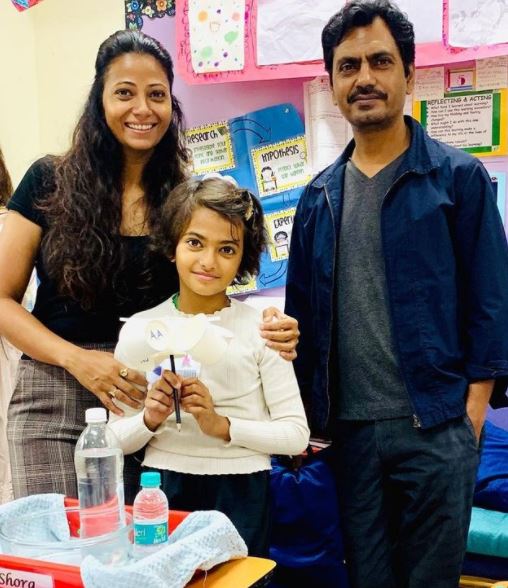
(33, 573)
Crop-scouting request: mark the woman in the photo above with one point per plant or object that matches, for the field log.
(84, 219)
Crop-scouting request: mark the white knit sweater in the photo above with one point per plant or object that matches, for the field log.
(251, 385)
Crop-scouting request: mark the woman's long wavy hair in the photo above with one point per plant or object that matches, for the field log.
(82, 248)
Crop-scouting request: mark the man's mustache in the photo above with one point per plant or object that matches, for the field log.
(366, 91)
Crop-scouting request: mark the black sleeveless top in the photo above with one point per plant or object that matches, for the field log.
(64, 315)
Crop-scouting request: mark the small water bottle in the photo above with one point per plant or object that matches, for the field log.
(98, 460)
(150, 516)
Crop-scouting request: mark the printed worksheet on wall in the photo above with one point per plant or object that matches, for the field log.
(326, 131)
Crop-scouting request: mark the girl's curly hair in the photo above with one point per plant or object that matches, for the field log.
(237, 205)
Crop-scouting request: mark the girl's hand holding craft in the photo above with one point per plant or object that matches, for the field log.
(108, 379)
(197, 400)
(159, 402)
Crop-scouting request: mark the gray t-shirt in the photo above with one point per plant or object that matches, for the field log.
(369, 380)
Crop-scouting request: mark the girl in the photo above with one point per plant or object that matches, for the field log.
(243, 408)
(84, 219)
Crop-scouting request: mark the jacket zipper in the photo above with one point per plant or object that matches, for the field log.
(330, 332)
(416, 419)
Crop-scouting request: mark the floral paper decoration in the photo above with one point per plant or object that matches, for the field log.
(136, 10)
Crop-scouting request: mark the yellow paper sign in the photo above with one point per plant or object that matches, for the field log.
(237, 289)
(211, 148)
(280, 166)
(279, 225)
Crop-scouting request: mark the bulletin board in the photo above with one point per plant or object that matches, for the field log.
(453, 72)
(428, 53)
(250, 71)
(265, 152)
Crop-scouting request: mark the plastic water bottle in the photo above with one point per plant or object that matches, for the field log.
(98, 460)
(150, 516)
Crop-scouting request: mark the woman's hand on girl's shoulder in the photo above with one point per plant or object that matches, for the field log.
(280, 331)
(101, 374)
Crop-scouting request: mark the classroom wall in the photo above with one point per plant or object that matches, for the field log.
(19, 103)
(68, 35)
(48, 54)
(215, 102)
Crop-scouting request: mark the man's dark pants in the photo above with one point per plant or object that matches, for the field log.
(405, 495)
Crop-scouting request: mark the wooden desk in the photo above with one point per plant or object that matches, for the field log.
(474, 582)
(237, 573)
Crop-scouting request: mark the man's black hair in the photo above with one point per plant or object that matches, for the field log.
(361, 13)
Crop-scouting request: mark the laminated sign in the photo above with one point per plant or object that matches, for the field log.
(281, 166)
(472, 121)
(211, 148)
(265, 152)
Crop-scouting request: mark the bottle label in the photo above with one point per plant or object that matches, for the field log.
(149, 534)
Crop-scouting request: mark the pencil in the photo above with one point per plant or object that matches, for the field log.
(175, 397)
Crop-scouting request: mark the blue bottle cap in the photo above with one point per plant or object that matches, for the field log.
(150, 479)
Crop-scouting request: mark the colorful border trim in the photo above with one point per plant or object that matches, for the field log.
(136, 10)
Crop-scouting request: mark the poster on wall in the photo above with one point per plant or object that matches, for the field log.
(216, 35)
(264, 151)
(472, 121)
(211, 148)
(279, 225)
(280, 166)
(327, 132)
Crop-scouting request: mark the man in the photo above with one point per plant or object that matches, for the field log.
(398, 275)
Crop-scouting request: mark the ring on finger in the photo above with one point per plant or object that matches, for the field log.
(113, 392)
(124, 372)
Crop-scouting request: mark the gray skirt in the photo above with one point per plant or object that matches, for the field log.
(45, 418)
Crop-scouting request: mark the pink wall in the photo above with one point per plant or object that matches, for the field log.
(203, 104)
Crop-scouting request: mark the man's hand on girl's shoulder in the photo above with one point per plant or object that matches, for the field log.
(281, 332)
